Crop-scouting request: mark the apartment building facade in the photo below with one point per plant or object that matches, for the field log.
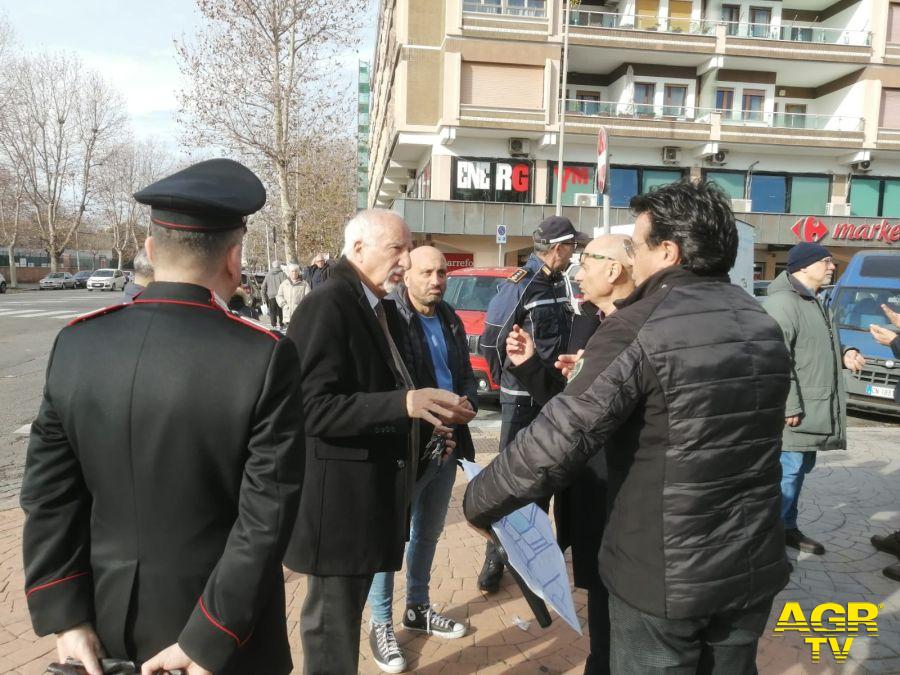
(792, 106)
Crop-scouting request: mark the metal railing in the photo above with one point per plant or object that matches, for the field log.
(785, 31)
(795, 32)
(684, 113)
(650, 22)
(534, 9)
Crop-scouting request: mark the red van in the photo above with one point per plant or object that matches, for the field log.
(470, 290)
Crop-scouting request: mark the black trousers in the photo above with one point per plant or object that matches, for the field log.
(275, 318)
(513, 418)
(330, 623)
(721, 644)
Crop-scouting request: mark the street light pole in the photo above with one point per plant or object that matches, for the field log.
(562, 108)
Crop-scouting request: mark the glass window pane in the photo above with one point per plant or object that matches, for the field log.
(578, 179)
(809, 194)
(864, 196)
(891, 207)
(731, 183)
(768, 193)
(623, 186)
(656, 178)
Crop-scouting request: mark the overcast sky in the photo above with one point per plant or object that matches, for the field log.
(131, 44)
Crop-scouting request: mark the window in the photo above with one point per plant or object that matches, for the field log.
(874, 197)
(731, 15)
(680, 16)
(893, 31)
(653, 178)
(724, 100)
(491, 180)
(674, 100)
(760, 22)
(810, 194)
(890, 107)
(768, 193)
(501, 85)
(644, 93)
(577, 179)
(794, 116)
(732, 182)
(588, 103)
(753, 106)
(626, 182)
(472, 293)
(858, 308)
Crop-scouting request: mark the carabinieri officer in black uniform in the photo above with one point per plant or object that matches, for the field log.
(536, 298)
(163, 469)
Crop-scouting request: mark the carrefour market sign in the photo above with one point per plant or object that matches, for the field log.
(811, 228)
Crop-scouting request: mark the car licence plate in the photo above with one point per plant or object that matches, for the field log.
(880, 392)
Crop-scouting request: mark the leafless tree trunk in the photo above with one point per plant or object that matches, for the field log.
(260, 77)
(11, 206)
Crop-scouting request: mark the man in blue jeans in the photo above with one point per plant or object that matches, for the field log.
(439, 358)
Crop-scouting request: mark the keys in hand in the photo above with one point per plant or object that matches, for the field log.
(439, 407)
(81, 643)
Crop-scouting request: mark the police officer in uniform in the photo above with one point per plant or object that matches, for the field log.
(163, 470)
(534, 297)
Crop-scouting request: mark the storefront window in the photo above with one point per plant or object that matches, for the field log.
(891, 202)
(491, 180)
(864, 196)
(768, 194)
(809, 194)
(623, 186)
(653, 178)
(732, 182)
(577, 179)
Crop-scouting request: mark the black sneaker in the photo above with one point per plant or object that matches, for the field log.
(888, 544)
(423, 619)
(892, 571)
(796, 539)
(385, 649)
(491, 573)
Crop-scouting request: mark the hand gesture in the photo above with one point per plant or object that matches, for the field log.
(854, 361)
(792, 421)
(172, 658)
(82, 644)
(436, 406)
(882, 335)
(893, 317)
(519, 346)
(566, 362)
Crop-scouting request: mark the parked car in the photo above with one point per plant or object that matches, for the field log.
(872, 279)
(761, 288)
(106, 279)
(81, 278)
(2, 284)
(56, 280)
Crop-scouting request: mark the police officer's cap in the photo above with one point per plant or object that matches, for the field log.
(559, 230)
(212, 196)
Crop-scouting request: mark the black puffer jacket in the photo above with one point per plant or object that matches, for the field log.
(685, 387)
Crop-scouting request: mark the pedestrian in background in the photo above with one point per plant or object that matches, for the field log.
(816, 410)
(683, 390)
(317, 272)
(270, 285)
(158, 503)
(580, 510)
(361, 409)
(291, 291)
(143, 275)
(535, 297)
(440, 359)
(889, 543)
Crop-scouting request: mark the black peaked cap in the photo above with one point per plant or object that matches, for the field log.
(210, 196)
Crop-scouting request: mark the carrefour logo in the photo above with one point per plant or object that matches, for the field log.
(811, 228)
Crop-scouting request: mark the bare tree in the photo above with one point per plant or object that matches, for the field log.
(56, 127)
(260, 74)
(13, 218)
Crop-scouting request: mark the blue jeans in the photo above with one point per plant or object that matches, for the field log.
(431, 497)
(794, 467)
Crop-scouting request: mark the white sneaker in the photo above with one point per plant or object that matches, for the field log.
(385, 649)
(423, 619)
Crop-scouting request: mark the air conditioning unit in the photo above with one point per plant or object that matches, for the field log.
(716, 159)
(862, 167)
(741, 205)
(834, 209)
(586, 199)
(670, 155)
(519, 147)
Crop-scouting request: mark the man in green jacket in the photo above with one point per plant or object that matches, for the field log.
(816, 409)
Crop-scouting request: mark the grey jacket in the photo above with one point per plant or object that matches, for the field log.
(271, 284)
(817, 391)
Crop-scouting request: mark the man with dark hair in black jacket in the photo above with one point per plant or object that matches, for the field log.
(683, 389)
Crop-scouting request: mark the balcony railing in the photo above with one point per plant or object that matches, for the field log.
(794, 32)
(678, 113)
(650, 22)
(535, 9)
(787, 31)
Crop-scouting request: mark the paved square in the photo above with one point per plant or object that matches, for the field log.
(848, 497)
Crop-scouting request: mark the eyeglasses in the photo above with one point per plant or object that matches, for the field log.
(596, 256)
(630, 246)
